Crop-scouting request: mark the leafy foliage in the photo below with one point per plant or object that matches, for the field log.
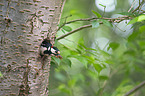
(97, 14)
(67, 28)
(95, 24)
(87, 69)
(102, 5)
(137, 19)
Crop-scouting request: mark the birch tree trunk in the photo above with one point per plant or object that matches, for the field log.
(23, 26)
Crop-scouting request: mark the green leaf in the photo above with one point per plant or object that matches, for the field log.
(63, 31)
(64, 89)
(90, 59)
(142, 43)
(102, 5)
(113, 45)
(95, 24)
(91, 49)
(133, 36)
(92, 53)
(137, 19)
(67, 28)
(123, 88)
(71, 82)
(60, 76)
(79, 51)
(97, 14)
(73, 53)
(130, 52)
(82, 60)
(103, 77)
(57, 60)
(100, 91)
(98, 67)
(126, 13)
(142, 28)
(133, 21)
(141, 18)
(107, 23)
(66, 62)
(81, 48)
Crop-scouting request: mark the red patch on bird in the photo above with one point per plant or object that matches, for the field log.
(51, 46)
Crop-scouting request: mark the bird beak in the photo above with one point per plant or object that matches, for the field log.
(59, 56)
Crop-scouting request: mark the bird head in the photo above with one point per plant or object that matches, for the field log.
(46, 48)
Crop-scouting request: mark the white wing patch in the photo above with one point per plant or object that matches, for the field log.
(49, 48)
(52, 50)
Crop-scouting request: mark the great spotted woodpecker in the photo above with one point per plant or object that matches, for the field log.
(56, 52)
(46, 49)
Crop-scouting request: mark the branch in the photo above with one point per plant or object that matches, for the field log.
(80, 28)
(135, 89)
(88, 19)
(138, 6)
(131, 6)
(112, 20)
(115, 20)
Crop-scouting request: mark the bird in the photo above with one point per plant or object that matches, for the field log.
(55, 52)
(46, 49)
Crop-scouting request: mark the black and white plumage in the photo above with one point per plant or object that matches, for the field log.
(56, 52)
(46, 49)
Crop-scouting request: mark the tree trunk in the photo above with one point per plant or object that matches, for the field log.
(23, 26)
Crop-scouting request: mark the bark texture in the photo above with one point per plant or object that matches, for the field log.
(23, 26)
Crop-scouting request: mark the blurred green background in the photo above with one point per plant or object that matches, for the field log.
(98, 61)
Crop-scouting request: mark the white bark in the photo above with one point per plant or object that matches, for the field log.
(23, 26)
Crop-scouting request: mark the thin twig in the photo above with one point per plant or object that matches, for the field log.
(104, 84)
(82, 27)
(142, 12)
(138, 6)
(135, 89)
(103, 12)
(131, 6)
(87, 19)
(116, 20)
